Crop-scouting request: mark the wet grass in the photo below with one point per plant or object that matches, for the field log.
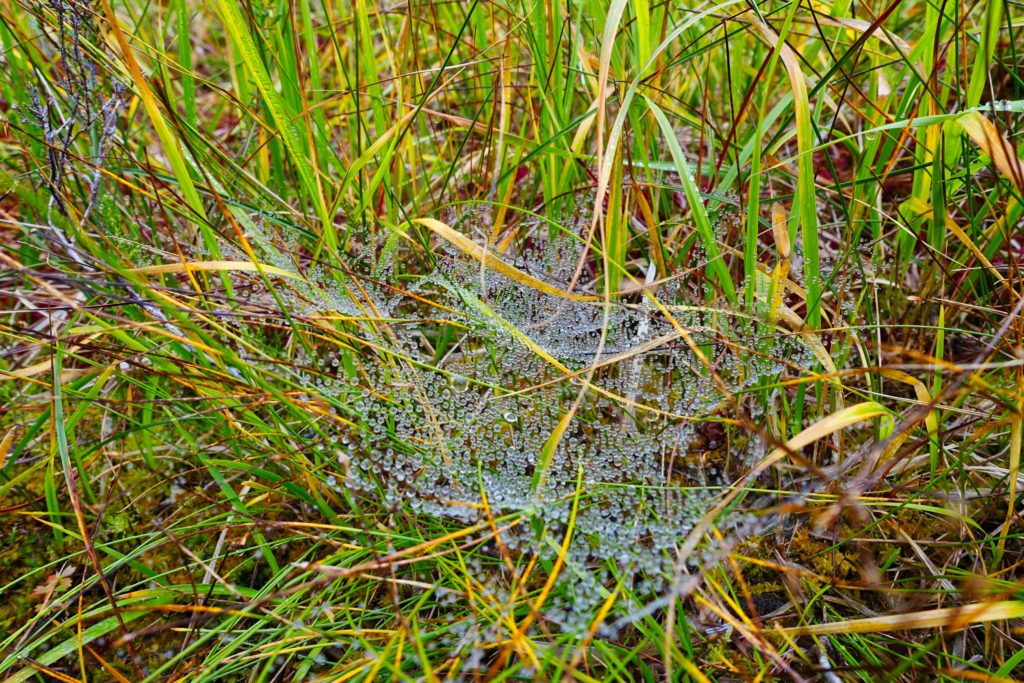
(515, 341)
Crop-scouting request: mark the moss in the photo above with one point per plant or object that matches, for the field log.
(821, 557)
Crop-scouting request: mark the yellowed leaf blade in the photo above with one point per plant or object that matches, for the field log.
(947, 618)
(489, 259)
(246, 266)
(833, 423)
(986, 136)
(5, 446)
(923, 396)
(27, 371)
(805, 208)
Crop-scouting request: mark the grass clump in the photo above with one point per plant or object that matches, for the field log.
(598, 340)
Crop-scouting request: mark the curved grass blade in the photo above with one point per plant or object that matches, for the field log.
(716, 266)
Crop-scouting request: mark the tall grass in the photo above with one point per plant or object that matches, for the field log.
(511, 340)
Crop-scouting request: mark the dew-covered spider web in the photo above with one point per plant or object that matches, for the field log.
(454, 379)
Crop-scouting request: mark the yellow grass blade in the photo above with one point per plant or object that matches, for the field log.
(949, 618)
(804, 210)
(5, 446)
(820, 429)
(986, 136)
(196, 266)
(921, 391)
(488, 259)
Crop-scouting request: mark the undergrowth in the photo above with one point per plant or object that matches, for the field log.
(511, 340)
